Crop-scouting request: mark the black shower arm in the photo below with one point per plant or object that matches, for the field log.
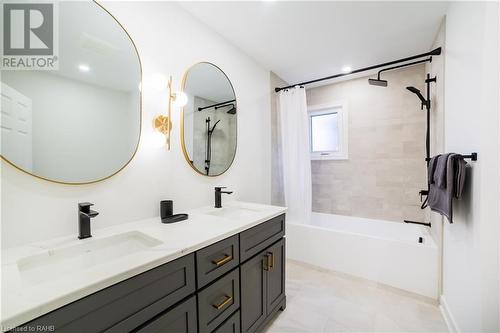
(403, 65)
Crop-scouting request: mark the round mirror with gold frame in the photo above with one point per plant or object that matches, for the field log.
(79, 122)
(209, 120)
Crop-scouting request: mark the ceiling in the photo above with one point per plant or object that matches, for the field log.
(305, 40)
(208, 82)
(102, 45)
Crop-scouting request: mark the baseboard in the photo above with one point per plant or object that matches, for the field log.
(447, 315)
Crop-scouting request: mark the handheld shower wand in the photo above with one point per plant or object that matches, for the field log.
(424, 101)
(208, 153)
(427, 103)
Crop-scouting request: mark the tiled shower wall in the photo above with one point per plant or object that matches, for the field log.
(386, 167)
(223, 138)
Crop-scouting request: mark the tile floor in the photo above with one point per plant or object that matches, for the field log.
(324, 301)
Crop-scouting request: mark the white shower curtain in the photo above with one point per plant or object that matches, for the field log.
(296, 161)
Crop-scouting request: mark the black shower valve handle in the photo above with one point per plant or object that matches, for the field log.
(423, 193)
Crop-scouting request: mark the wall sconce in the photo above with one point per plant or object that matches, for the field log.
(163, 123)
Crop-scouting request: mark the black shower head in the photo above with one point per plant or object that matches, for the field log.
(418, 93)
(378, 82)
(232, 110)
(413, 90)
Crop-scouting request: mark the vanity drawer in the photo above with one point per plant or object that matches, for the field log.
(181, 319)
(216, 260)
(256, 239)
(218, 301)
(125, 305)
(231, 325)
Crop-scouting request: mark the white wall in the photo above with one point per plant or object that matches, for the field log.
(436, 69)
(471, 251)
(169, 41)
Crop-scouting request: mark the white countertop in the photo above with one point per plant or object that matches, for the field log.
(24, 300)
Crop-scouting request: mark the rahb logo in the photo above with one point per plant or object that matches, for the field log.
(30, 39)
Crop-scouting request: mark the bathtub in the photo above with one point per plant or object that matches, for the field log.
(377, 250)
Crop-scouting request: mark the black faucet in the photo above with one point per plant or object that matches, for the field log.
(84, 216)
(218, 199)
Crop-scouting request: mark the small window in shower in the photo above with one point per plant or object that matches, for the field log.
(324, 132)
(328, 131)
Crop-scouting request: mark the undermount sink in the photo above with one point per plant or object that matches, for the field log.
(233, 212)
(69, 259)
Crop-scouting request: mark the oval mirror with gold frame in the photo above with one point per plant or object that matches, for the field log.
(209, 120)
(80, 122)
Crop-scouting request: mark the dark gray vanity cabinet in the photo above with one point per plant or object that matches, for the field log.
(124, 306)
(258, 238)
(262, 287)
(181, 319)
(234, 285)
(216, 260)
(232, 325)
(218, 301)
(275, 275)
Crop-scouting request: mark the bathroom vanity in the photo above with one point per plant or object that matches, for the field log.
(229, 276)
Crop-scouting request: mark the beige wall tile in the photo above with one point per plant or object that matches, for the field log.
(386, 167)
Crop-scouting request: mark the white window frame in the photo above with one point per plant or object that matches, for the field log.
(343, 129)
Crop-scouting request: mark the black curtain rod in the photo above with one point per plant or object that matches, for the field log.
(430, 53)
(221, 106)
(213, 105)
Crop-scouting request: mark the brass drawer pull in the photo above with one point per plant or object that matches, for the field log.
(224, 303)
(270, 260)
(223, 260)
(265, 263)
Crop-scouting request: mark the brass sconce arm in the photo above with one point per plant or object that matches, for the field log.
(163, 123)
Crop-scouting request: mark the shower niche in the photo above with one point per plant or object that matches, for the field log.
(208, 129)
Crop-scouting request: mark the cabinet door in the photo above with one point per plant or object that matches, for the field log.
(275, 275)
(232, 325)
(253, 293)
(180, 319)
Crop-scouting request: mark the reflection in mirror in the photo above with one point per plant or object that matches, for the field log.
(80, 123)
(209, 120)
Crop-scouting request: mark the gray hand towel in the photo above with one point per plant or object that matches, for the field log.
(431, 169)
(441, 197)
(461, 169)
(440, 171)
